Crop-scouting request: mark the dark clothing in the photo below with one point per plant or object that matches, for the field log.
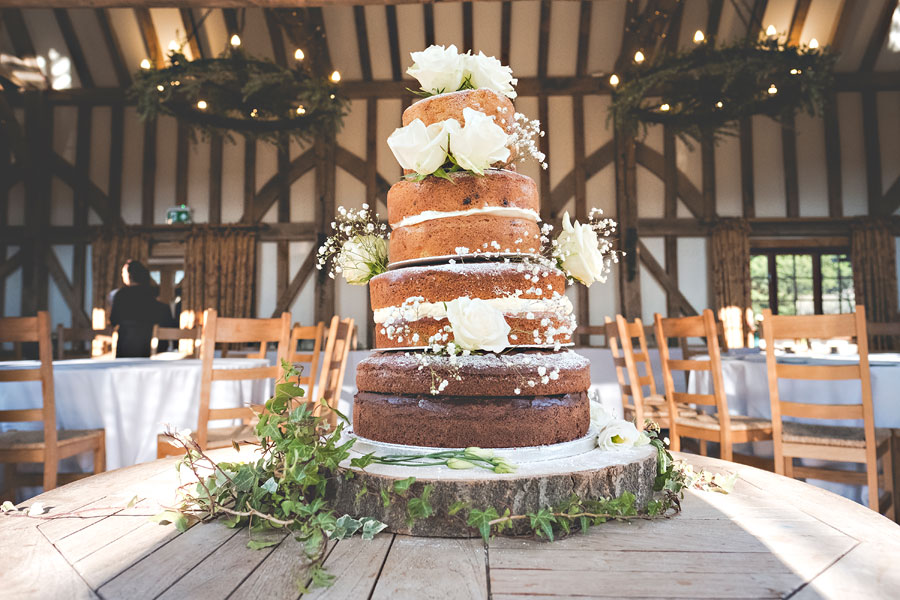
(136, 310)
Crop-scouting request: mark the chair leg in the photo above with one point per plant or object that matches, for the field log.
(887, 465)
(100, 455)
(675, 443)
(702, 447)
(789, 466)
(10, 487)
(51, 470)
(872, 482)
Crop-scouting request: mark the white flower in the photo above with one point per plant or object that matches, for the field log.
(422, 149)
(362, 257)
(438, 69)
(480, 143)
(579, 250)
(477, 325)
(619, 434)
(488, 72)
(600, 418)
(36, 510)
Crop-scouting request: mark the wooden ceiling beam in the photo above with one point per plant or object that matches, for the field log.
(468, 27)
(123, 75)
(362, 42)
(18, 32)
(505, 31)
(228, 4)
(798, 20)
(390, 13)
(544, 39)
(428, 17)
(876, 42)
(192, 32)
(64, 21)
(278, 49)
(149, 37)
(584, 38)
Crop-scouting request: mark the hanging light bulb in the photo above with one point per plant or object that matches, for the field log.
(664, 107)
(301, 110)
(770, 30)
(614, 80)
(254, 113)
(336, 76)
(699, 37)
(796, 71)
(146, 64)
(298, 54)
(639, 57)
(773, 90)
(332, 96)
(201, 104)
(173, 46)
(719, 104)
(235, 40)
(160, 88)
(814, 44)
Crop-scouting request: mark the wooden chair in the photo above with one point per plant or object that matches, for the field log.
(341, 337)
(174, 334)
(722, 427)
(47, 446)
(231, 331)
(619, 336)
(308, 359)
(864, 445)
(100, 342)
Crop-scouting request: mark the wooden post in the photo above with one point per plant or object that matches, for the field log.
(324, 210)
(626, 213)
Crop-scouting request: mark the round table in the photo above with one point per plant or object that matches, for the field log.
(771, 537)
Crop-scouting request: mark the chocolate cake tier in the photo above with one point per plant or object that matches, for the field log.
(463, 421)
(409, 304)
(496, 212)
(488, 374)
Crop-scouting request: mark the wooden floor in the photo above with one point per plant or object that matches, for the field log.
(772, 537)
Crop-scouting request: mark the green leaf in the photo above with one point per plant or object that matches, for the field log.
(584, 523)
(371, 527)
(260, 544)
(290, 390)
(361, 494)
(270, 485)
(345, 527)
(420, 508)
(385, 498)
(442, 174)
(456, 507)
(320, 577)
(244, 479)
(402, 486)
(480, 520)
(363, 461)
(542, 523)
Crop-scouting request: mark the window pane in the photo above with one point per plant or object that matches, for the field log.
(837, 284)
(795, 284)
(759, 283)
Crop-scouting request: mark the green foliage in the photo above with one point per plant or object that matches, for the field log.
(256, 98)
(708, 89)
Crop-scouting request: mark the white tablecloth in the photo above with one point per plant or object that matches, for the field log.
(131, 398)
(747, 390)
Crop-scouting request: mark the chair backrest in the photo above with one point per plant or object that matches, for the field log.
(100, 341)
(688, 350)
(620, 334)
(236, 331)
(174, 334)
(33, 329)
(681, 328)
(583, 334)
(308, 359)
(819, 327)
(341, 336)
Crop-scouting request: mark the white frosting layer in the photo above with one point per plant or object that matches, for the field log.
(559, 305)
(500, 211)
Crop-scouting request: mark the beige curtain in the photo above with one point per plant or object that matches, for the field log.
(874, 259)
(109, 251)
(729, 250)
(219, 269)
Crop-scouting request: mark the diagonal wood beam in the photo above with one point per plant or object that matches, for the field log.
(18, 32)
(287, 297)
(66, 289)
(669, 285)
(713, 19)
(362, 42)
(278, 50)
(123, 75)
(879, 35)
(191, 32)
(9, 266)
(798, 20)
(390, 12)
(149, 37)
(593, 164)
(64, 21)
(79, 180)
(268, 194)
(654, 162)
(891, 201)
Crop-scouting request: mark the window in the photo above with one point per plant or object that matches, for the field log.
(801, 282)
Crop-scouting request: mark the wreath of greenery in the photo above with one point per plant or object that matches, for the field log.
(705, 90)
(238, 93)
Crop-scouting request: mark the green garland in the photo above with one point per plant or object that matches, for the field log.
(238, 93)
(708, 89)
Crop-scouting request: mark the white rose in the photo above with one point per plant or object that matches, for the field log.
(362, 257)
(438, 69)
(422, 149)
(488, 72)
(480, 143)
(599, 417)
(619, 434)
(579, 250)
(477, 325)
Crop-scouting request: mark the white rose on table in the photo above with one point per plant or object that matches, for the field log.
(488, 72)
(579, 252)
(480, 143)
(621, 434)
(600, 418)
(477, 325)
(438, 69)
(362, 257)
(422, 149)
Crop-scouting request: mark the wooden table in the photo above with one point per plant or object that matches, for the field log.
(771, 537)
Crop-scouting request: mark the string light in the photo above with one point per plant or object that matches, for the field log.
(639, 57)
(814, 44)
(664, 107)
(201, 104)
(146, 64)
(770, 30)
(332, 96)
(614, 80)
(773, 90)
(298, 54)
(254, 113)
(336, 76)
(698, 37)
(301, 110)
(160, 88)
(719, 104)
(796, 71)
(235, 40)
(173, 46)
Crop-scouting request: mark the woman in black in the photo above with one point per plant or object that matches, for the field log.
(136, 310)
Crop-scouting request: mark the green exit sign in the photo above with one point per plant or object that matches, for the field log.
(179, 214)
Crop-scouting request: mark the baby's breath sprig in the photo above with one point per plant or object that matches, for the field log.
(524, 132)
(358, 246)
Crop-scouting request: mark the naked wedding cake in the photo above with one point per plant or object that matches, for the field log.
(472, 321)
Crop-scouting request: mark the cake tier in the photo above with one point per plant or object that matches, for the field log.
(497, 212)
(482, 375)
(409, 303)
(460, 422)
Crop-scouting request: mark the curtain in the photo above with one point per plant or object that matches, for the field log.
(219, 269)
(109, 251)
(729, 250)
(874, 259)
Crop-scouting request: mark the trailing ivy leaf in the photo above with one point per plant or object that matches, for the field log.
(346, 526)
(584, 523)
(289, 389)
(542, 523)
(419, 508)
(270, 485)
(312, 545)
(371, 527)
(456, 507)
(385, 498)
(260, 544)
(402, 486)
(481, 520)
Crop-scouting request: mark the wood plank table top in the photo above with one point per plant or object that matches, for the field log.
(771, 537)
